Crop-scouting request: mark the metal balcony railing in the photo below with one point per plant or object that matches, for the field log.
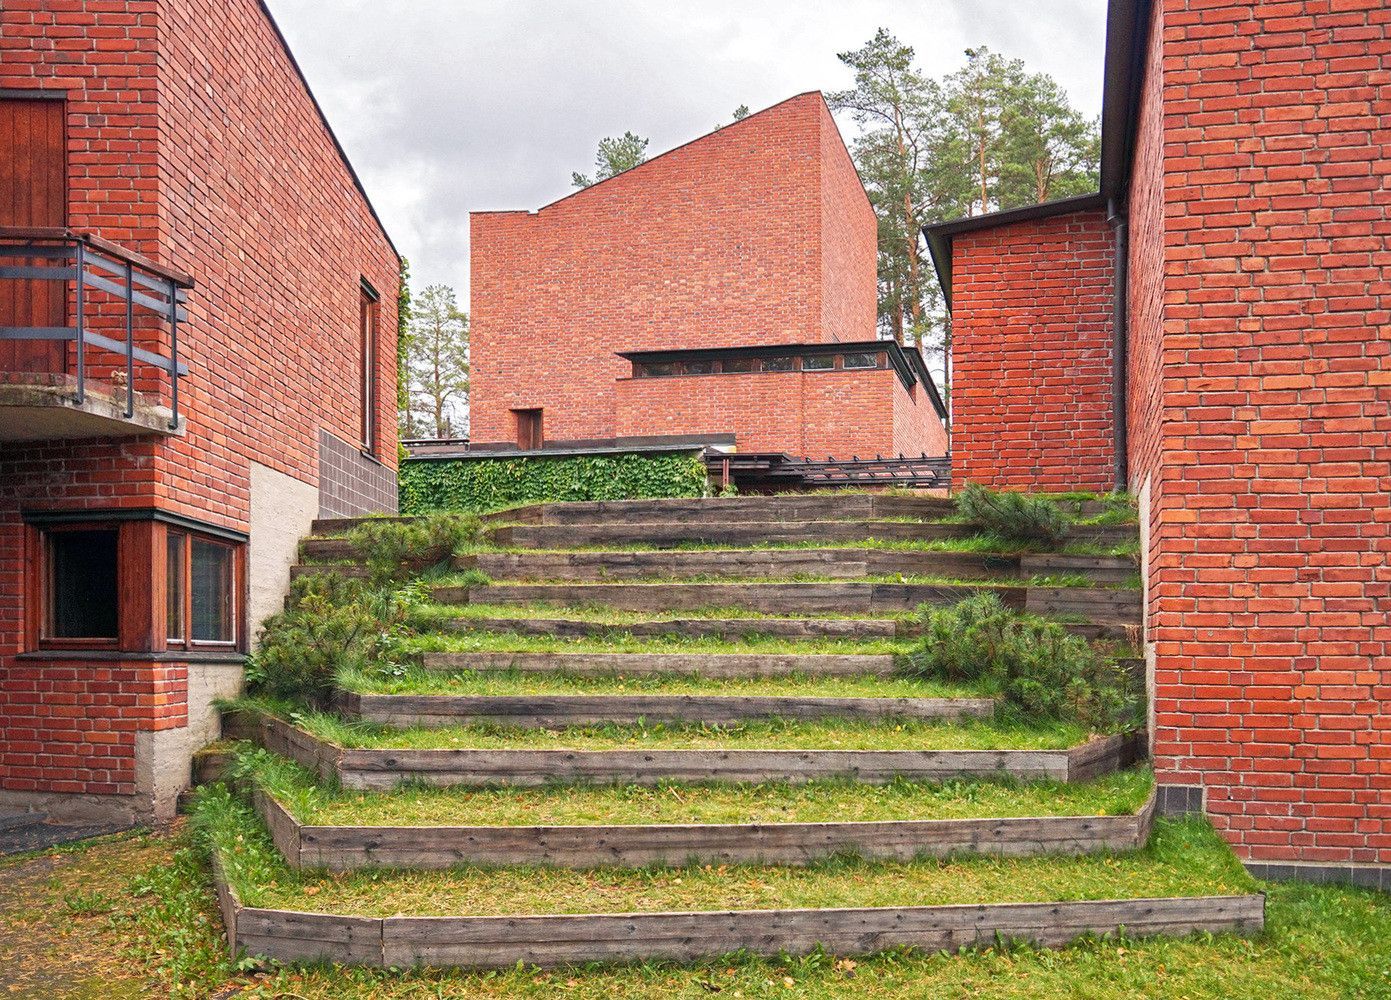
(123, 280)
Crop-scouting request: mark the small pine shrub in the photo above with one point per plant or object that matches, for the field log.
(1038, 668)
(330, 623)
(396, 549)
(1013, 515)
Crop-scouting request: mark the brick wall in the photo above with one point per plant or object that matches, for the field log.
(1031, 355)
(756, 234)
(1271, 589)
(192, 140)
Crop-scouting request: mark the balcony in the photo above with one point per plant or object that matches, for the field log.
(89, 338)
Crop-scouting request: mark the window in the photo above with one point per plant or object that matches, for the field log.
(530, 434)
(862, 361)
(777, 364)
(201, 606)
(733, 365)
(699, 367)
(80, 584)
(656, 370)
(818, 363)
(367, 328)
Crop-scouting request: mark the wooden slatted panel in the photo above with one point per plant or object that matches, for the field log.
(33, 193)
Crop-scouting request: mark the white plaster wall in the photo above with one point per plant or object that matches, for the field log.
(282, 510)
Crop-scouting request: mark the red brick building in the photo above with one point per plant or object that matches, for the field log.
(197, 328)
(1231, 364)
(724, 291)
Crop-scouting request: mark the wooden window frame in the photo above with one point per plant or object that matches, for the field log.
(186, 641)
(40, 586)
(369, 364)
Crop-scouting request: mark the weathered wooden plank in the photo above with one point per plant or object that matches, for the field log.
(666, 533)
(783, 628)
(1104, 755)
(378, 769)
(284, 828)
(640, 664)
(292, 936)
(1114, 604)
(495, 942)
(768, 598)
(561, 711)
(355, 571)
(906, 596)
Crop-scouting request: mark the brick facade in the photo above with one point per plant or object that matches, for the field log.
(759, 233)
(1257, 191)
(1270, 502)
(1031, 354)
(191, 139)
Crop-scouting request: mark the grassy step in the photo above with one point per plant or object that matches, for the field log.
(567, 711)
(664, 533)
(710, 665)
(1184, 859)
(684, 803)
(768, 824)
(782, 507)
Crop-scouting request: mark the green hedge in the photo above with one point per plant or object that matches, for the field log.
(484, 484)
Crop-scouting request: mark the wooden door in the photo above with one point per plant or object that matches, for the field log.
(33, 194)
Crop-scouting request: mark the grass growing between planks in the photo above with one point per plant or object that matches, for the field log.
(1184, 858)
(907, 734)
(314, 803)
(161, 937)
(517, 683)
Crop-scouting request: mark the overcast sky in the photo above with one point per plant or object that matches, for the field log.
(452, 106)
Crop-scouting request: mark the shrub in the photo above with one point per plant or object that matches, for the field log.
(395, 549)
(1013, 515)
(329, 623)
(1037, 667)
(483, 484)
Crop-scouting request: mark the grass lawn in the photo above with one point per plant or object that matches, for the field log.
(625, 642)
(908, 734)
(815, 802)
(135, 917)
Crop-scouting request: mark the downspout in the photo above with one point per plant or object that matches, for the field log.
(1120, 320)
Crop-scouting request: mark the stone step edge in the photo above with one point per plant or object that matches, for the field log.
(558, 711)
(548, 940)
(349, 848)
(386, 769)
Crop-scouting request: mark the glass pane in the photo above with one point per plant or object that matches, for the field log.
(82, 585)
(730, 365)
(212, 592)
(656, 370)
(777, 364)
(174, 586)
(862, 361)
(699, 367)
(818, 363)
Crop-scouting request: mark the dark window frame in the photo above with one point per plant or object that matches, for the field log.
(45, 598)
(369, 364)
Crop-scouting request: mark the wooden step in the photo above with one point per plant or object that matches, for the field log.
(667, 533)
(356, 571)
(765, 598)
(563, 711)
(385, 769)
(782, 628)
(781, 507)
(647, 664)
(845, 564)
(349, 848)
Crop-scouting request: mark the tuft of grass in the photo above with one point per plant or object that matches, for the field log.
(1013, 515)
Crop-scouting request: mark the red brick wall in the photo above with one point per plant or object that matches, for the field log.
(191, 140)
(1031, 355)
(723, 242)
(1272, 586)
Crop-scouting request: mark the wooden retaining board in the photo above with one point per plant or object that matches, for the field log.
(843, 563)
(782, 628)
(781, 507)
(385, 769)
(550, 940)
(348, 848)
(767, 598)
(667, 533)
(560, 711)
(646, 664)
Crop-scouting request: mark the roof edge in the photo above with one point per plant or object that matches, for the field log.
(323, 118)
(941, 234)
(1127, 38)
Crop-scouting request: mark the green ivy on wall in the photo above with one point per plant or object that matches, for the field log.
(484, 484)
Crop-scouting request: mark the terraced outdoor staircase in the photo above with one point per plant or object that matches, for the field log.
(674, 729)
